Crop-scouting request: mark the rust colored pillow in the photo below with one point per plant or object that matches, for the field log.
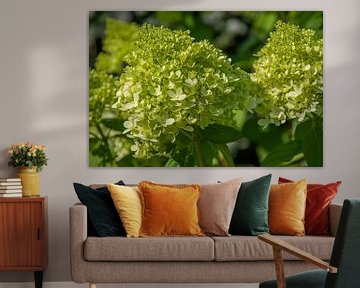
(287, 204)
(169, 210)
(319, 197)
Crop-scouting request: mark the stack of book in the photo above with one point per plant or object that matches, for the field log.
(10, 187)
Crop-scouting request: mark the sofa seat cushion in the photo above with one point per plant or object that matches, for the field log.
(244, 248)
(149, 249)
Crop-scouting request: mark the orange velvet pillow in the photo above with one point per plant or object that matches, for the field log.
(319, 197)
(287, 204)
(169, 210)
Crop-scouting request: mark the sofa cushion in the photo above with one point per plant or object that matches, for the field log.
(287, 204)
(245, 248)
(216, 205)
(149, 249)
(102, 215)
(318, 199)
(169, 210)
(127, 201)
(250, 215)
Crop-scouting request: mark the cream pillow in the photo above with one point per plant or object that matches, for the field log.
(127, 201)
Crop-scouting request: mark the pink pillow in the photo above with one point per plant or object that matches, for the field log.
(216, 205)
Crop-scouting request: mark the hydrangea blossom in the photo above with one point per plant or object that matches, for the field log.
(290, 69)
(102, 89)
(119, 41)
(173, 84)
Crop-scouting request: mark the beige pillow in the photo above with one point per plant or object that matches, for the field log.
(216, 206)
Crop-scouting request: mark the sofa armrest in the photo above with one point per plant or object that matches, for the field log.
(78, 235)
(284, 246)
(334, 217)
(279, 246)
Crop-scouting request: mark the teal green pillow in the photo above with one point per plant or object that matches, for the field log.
(250, 216)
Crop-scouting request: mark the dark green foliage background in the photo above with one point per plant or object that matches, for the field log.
(240, 34)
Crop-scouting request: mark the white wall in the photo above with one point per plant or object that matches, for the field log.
(43, 90)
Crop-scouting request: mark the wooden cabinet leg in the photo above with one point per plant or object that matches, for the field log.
(38, 279)
(92, 285)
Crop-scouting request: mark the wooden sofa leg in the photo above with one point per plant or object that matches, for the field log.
(92, 285)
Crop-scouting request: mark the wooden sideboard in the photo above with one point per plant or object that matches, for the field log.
(23, 235)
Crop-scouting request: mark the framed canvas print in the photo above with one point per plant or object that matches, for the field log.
(205, 88)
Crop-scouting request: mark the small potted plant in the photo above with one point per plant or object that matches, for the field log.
(30, 158)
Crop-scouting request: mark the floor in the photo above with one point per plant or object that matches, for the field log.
(74, 285)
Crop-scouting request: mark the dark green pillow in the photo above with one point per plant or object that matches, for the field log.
(102, 215)
(250, 216)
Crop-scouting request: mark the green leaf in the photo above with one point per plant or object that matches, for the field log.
(219, 134)
(94, 160)
(95, 156)
(94, 143)
(171, 163)
(208, 154)
(224, 149)
(184, 157)
(310, 133)
(114, 124)
(182, 140)
(126, 161)
(283, 155)
(267, 138)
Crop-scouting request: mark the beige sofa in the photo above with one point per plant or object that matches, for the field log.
(234, 259)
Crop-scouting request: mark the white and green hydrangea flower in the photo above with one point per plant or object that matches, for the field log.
(173, 84)
(290, 69)
(102, 88)
(119, 41)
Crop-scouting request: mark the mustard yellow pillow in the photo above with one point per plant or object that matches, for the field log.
(287, 204)
(169, 210)
(127, 201)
